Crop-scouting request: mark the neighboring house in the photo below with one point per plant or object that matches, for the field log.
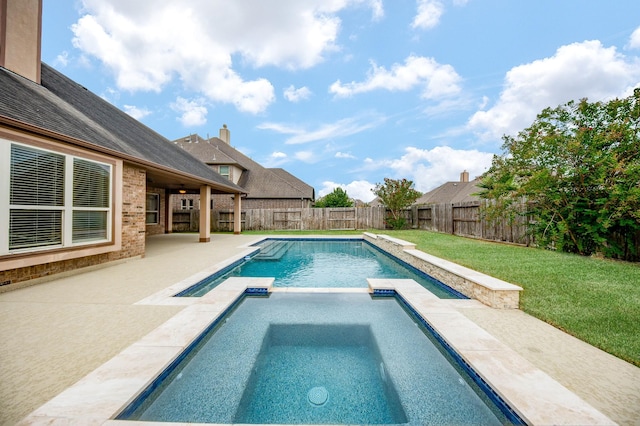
(82, 183)
(266, 188)
(452, 192)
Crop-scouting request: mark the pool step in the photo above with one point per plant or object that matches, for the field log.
(273, 250)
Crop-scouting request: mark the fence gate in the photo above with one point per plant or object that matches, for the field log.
(466, 219)
(341, 219)
(425, 217)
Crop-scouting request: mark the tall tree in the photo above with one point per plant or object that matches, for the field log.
(578, 168)
(337, 198)
(396, 195)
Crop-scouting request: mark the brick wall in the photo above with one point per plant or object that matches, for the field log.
(177, 200)
(133, 236)
(134, 198)
(223, 201)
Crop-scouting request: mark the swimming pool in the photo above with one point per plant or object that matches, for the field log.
(326, 263)
(104, 393)
(302, 358)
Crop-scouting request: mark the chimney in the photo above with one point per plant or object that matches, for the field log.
(225, 135)
(20, 37)
(464, 176)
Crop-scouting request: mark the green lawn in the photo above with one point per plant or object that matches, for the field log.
(594, 299)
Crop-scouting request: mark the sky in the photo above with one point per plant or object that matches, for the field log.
(345, 93)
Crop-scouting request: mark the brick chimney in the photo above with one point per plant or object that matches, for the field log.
(225, 135)
(464, 176)
(20, 37)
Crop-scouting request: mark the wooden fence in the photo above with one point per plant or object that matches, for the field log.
(347, 218)
(466, 219)
(459, 219)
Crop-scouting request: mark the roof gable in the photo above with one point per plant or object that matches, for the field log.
(257, 181)
(205, 151)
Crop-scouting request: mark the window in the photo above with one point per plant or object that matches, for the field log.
(153, 209)
(186, 204)
(56, 200)
(91, 199)
(224, 171)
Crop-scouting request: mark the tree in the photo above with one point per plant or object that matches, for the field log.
(396, 195)
(578, 168)
(337, 198)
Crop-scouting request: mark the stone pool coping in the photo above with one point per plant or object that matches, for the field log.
(534, 395)
(491, 291)
(102, 394)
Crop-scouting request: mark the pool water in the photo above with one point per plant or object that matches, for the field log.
(322, 263)
(323, 372)
(299, 358)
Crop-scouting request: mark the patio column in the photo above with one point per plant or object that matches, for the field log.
(205, 213)
(168, 210)
(237, 215)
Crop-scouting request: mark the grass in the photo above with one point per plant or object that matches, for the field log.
(596, 300)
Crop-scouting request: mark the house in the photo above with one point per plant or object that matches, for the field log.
(452, 192)
(82, 183)
(266, 188)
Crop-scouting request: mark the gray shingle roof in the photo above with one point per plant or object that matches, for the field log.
(257, 181)
(205, 151)
(62, 106)
(451, 192)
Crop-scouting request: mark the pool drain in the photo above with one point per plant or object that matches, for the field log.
(318, 396)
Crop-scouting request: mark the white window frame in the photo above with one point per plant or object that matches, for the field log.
(67, 208)
(226, 175)
(147, 210)
(187, 204)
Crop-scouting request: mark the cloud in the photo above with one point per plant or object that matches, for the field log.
(634, 40)
(428, 15)
(62, 59)
(430, 168)
(148, 45)
(377, 10)
(306, 156)
(194, 113)
(296, 95)
(575, 71)
(436, 80)
(278, 154)
(344, 155)
(339, 129)
(427, 168)
(135, 112)
(357, 189)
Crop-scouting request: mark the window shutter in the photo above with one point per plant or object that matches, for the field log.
(89, 226)
(90, 184)
(34, 228)
(37, 177)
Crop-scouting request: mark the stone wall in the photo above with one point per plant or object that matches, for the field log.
(475, 285)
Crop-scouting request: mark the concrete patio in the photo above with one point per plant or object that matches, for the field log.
(57, 332)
